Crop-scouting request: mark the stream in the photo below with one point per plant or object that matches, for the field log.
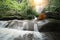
(23, 30)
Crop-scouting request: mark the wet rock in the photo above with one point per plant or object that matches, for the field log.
(52, 26)
(25, 37)
(21, 24)
(46, 25)
(28, 36)
(18, 38)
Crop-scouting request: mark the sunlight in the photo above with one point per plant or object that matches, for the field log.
(38, 5)
(41, 2)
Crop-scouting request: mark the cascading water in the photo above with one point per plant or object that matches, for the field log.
(18, 30)
(39, 7)
(39, 24)
(14, 24)
(35, 27)
(3, 23)
(13, 33)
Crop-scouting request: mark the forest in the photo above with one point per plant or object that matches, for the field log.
(22, 10)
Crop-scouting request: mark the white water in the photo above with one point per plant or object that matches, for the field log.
(24, 24)
(15, 31)
(13, 34)
(39, 24)
(3, 23)
(35, 27)
(39, 8)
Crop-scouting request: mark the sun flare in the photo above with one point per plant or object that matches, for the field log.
(38, 4)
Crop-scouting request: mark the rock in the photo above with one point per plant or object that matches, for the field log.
(18, 38)
(52, 26)
(21, 24)
(42, 25)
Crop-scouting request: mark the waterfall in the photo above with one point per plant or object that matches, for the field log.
(39, 6)
(15, 30)
(13, 34)
(23, 24)
(38, 24)
(35, 27)
(3, 24)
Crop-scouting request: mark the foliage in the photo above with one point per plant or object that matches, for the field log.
(14, 8)
(53, 9)
(53, 5)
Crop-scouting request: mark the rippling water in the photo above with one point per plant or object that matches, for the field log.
(14, 30)
(13, 34)
(3, 23)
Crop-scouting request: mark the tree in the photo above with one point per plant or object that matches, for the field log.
(53, 4)
(14, 8)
